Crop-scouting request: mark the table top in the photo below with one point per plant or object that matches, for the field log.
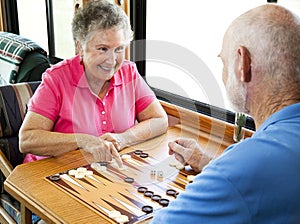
(27, 182)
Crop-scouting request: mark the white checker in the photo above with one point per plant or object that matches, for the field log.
(190, 178)
(79, 175)
(122, 168)
(179, 166)
(114, 214)
(89, 173)
(173, 163)
(72, 172)
(81, 169)
(126, 156)
(122, 219)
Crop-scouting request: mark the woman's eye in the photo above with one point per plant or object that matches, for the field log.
(103, 49)
(120, 49)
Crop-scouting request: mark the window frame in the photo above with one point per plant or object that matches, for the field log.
(138, 21)
(138, 12)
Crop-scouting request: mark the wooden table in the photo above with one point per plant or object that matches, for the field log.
(28, 185)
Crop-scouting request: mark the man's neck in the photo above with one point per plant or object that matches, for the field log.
(270, 104)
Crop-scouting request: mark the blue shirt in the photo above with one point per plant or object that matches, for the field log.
(254, 181)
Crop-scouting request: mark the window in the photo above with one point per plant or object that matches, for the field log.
(183, 41)
(33, 26)
(62, 19)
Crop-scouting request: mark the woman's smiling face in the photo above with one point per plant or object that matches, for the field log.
(103, 53)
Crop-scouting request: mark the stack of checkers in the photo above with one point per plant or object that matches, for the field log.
(80, 172)
(118, 217)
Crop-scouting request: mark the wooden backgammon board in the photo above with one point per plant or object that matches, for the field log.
(146, 184)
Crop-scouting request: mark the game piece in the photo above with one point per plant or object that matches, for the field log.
(179, 166)
(55, 177)
(148, 194)
(122, 168)
(98, 166)
(138, 152)
(144, 155)
(142, 189)
(190, 178)
(173, 163)
(155, 197)
(164, 202)
(122, 219)
(128, 179)
(114, 214)
(81, 169)
(89, 173)
(171, 192)
(126, 156)
(160, 173)
(72, 172)
(153, 172)
(103, 163)
(147, 209)
(79, 175)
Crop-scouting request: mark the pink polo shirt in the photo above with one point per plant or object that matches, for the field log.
(64, 96)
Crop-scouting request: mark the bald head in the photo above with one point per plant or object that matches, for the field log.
(271, 34)
(261, 56)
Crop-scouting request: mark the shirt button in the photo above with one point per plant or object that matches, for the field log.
(103, 112)
(104, 122)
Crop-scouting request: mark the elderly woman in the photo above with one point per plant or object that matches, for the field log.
(95, 101)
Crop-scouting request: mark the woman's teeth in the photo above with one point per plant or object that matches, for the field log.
(105, 68)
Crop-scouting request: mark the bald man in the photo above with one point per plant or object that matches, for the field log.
(256, 180)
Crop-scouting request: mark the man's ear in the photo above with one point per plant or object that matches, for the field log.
(244, 63)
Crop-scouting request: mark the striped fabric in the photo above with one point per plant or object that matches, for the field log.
(13, 49)
(13, 106)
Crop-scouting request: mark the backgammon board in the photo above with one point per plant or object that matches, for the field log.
(146, 184)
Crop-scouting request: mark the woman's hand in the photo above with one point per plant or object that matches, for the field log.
(101, 150)
(118, 140)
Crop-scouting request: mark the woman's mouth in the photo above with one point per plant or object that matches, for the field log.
(106, 68)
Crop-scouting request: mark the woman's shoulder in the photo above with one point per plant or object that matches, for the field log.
(128, 65)
(64, 69)
(65, 64)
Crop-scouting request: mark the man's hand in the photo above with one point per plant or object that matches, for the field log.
(188, 151)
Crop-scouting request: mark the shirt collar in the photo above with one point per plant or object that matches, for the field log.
(287, 112)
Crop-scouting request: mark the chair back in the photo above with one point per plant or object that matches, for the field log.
(13, 107)
(21, 59)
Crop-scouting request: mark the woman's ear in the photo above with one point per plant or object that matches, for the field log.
(79, 49)
(244, 63)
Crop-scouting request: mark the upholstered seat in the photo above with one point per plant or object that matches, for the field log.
(13, 107)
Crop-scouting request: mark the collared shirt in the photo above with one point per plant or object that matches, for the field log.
(255, 181)
(64, 96)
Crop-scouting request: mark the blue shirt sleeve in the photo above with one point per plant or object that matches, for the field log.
(211, 198)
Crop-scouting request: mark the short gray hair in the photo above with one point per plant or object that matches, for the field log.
(99, 15)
